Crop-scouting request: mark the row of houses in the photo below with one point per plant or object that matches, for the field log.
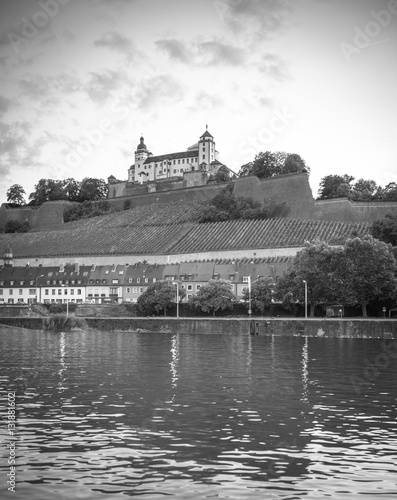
(125, 283)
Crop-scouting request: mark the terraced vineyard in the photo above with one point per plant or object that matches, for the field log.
(161, 214)
(169, 229)
(270, 233)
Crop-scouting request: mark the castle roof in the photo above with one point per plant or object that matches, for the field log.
(171, 156)
(207, 134)
(141, 145)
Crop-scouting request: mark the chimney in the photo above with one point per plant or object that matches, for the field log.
(61, 268)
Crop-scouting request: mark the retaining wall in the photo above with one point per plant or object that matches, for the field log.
(322, 328)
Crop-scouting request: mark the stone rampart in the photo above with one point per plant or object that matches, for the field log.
(344, 210)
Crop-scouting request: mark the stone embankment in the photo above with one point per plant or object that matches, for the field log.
(321, 328)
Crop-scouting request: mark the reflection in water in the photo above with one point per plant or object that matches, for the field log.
(108, 415)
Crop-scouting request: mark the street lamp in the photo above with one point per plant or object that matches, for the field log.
(249, 297)
(41, 276)
(305, 282)
(177, 298)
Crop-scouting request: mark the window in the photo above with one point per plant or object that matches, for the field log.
(20, 291)
(115, 281)
(32, 291)
(198, 287)
(46, 291)
(12, 282)
(141, 290)
(134, 290)
(246, 279)
(146, 280)
(128, 289)
(53, 292)
(190, 288)
(138, 280)
(1, 291)
(21, 283)
(154, 280)
(11, 292)
(72, 291)
(113, 291)
(60, 291)
(2, 283)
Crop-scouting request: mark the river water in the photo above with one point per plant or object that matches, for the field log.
(113, 415)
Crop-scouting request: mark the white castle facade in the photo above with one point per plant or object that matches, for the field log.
(201, 157)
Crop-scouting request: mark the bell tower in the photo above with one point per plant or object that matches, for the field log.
(141, 154)
(206, 148)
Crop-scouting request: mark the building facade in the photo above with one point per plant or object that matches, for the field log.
(201, 157)
(73, 283)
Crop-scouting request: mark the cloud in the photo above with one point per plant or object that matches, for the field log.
(102, 85)
(159, 90)
(117, 42)
(205, 100)
(272, 65)
(5, 104)
(209, 53)
(17, 151)
(175, 49)
(262, 18)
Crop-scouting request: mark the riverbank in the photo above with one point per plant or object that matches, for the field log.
(317, 327)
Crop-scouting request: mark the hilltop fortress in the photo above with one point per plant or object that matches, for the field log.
(165, 196)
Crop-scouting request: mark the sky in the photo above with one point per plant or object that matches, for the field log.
(81, 80)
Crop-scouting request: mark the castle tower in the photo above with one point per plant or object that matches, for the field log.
(141, 154)
(206, 148)
(8, 257)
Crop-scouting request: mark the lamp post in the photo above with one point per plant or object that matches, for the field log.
(305, 282)
(249, 297)
(41, 276)
(177, 298)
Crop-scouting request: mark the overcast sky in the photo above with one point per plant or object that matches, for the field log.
(82, 79)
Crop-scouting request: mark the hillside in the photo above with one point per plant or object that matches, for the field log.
(171, 229)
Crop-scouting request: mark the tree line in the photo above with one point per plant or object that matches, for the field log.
(89, 189)
(340, 186)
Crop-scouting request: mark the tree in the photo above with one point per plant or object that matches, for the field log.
(315, 264)
(14, 226)
(227, 206)
(261, 294)
(223, 174)
(15, 194)
(93, 189)
(270, 164)
(369, 272)
(366, 187)
(72, 189)
(390, 192)
(295, 163)
(48, 190)
(329, 186)
(158, 297)
(215, 295)
(385, 229)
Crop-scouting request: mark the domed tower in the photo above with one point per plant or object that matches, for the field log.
(8, 257)
(206, 148)
(141, 154)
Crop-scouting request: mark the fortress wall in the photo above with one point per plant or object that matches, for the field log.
(344, 210)
(21, 215)
(294, 189)
(156, 259)
(184, 194)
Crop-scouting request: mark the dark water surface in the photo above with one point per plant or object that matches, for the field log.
(112, 415)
